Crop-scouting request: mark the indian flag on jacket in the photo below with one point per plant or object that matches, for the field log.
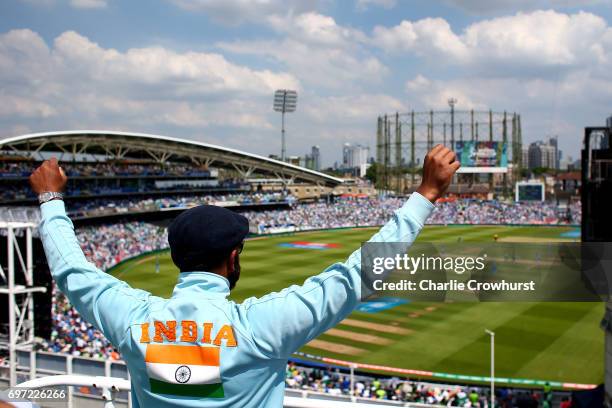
(190, 371)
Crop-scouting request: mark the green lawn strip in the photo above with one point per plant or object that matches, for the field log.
(426, 347)
(517, 341)
(578, 353)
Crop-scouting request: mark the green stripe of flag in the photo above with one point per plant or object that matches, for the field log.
(187, 390)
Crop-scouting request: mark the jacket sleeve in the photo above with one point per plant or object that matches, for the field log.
(103, 300)
(283, 322)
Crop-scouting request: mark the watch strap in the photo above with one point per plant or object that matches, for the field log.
(47, 196)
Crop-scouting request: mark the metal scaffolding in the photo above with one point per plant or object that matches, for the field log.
(399, 161)
(20, 331)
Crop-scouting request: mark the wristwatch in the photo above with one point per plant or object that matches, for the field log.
(47, 196)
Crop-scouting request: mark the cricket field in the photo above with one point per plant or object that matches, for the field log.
(559, 342)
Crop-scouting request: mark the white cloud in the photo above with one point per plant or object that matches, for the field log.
(315, 28)
(314, 66)
(529, 43)
(351, 109)
(419, 82)
(89, 4)
(24, 107)
(318, 51)
(21, 54)
(426, 37)
(434, 94)
(363, 5)
(240, 11)
(77, 82)
(538, 38)
(180, 74)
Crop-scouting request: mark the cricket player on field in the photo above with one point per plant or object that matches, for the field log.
(197, 348)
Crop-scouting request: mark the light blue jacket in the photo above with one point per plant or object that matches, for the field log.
(263, 332)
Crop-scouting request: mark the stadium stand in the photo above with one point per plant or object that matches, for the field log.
(119, 156)
(104, 206)
(144, 183)
(123, 184)
(324, 215)
(372, 212)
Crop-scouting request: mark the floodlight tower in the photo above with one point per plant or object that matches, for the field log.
(492, 334)
(452, 102)
(285, 100)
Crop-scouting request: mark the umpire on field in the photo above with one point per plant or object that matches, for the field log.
(197, 348)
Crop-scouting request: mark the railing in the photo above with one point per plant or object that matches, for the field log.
(112, 386)
(34, 364)
(108, 380)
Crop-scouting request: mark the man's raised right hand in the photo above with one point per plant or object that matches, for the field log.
(49, 176)
(438, 170)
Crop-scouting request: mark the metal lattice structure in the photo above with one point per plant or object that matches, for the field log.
(403, 139)
(20, 330)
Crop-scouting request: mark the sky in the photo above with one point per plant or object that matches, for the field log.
(207, 69)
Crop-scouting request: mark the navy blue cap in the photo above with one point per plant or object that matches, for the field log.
(205, 235)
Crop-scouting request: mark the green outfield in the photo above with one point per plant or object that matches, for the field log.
(544, 341)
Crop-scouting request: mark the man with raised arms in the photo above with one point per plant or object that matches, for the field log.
(197, 348)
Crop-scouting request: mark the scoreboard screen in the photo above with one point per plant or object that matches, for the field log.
(481, 154)
(529, 192)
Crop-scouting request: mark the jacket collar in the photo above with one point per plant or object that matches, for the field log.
(201, 283)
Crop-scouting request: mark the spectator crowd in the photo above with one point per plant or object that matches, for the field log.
(23, 168)
(375, 211)
(100, 207)
(103, 179)
(331, 381)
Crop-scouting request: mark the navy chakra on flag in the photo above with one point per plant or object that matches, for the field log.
(183, 374)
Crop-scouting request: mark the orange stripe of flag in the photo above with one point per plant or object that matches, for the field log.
(174, 354)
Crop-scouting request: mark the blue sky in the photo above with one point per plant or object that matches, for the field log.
(206, 69)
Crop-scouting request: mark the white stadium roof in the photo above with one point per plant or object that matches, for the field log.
(126, 145)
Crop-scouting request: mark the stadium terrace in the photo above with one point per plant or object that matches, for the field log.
(124, 187)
